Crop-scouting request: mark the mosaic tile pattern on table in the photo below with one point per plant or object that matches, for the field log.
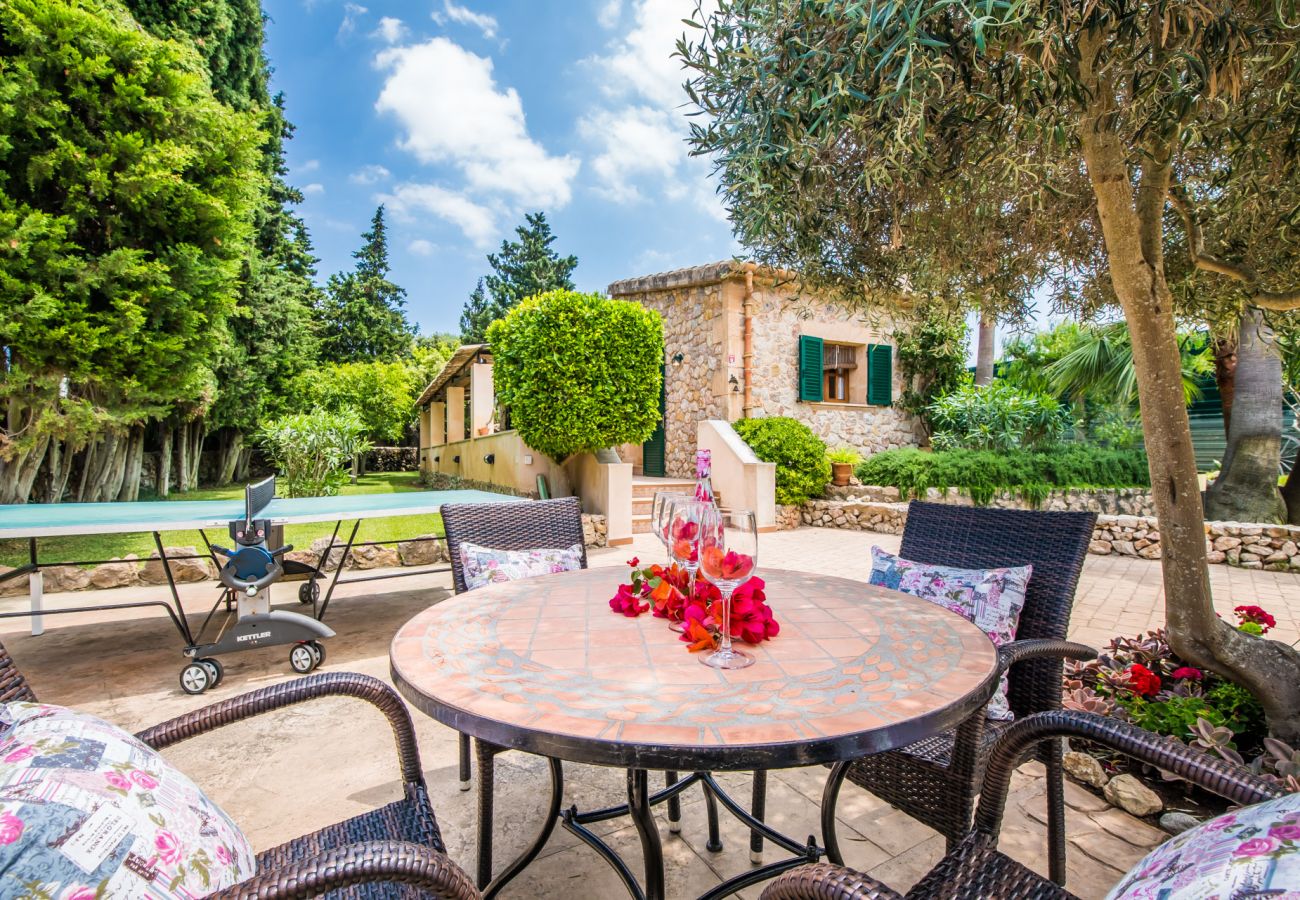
(548, 654)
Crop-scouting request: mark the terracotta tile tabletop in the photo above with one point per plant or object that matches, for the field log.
(545, 665)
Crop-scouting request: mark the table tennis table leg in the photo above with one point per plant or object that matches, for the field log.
(36, 590)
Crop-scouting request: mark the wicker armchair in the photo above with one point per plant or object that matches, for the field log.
(503, 526)
(975, 870)
(936, 780)
(395, 850)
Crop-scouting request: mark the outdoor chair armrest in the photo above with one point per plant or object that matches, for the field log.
(365, 863)
(1041, 648)
(1230, 781)
(824, 881)
(310, 687)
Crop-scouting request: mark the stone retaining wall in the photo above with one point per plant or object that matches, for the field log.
(1104, 501)
(1250, 546)
(131, 570)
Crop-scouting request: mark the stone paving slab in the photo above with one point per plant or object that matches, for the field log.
(321, 762)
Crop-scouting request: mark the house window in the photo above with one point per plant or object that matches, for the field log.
(839, 363)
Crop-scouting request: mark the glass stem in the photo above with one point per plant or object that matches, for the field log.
(725, 647)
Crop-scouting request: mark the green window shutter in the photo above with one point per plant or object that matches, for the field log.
(810, 369)
(880, 374)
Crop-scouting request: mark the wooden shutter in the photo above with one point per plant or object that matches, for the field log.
(810, 369)
(880, 374)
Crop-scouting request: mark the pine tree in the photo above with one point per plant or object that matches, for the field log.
(361, 317)
(521, 269)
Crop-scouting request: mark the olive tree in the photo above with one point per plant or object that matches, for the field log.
(848, 133)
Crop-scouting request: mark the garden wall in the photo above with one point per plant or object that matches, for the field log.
(1103, 501)
(1250, 546)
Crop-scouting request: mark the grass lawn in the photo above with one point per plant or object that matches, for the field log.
(106, 546)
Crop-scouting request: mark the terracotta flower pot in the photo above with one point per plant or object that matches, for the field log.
(841, 473)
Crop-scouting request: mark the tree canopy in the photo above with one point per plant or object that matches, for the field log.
(361, 315)
(858, 143)
(523, 268)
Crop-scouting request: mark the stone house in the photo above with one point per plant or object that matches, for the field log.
(742, 341)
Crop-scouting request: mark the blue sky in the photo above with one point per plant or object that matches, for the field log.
(462, 116)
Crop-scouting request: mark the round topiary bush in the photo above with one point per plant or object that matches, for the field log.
(802, 469)
(578, 372)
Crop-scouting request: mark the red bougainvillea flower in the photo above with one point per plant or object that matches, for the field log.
(751, 617)
(634, 561)
(685, 530)
(685, 550)
(1142, 681)
(628, 602)
(668, 600)
(1256, 615)
(728, 566)
(1187, 672)
(697, 637)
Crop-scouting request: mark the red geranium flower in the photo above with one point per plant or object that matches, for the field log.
(628, 602)
(1188, 672)
(1257, 616)
(1142, 681)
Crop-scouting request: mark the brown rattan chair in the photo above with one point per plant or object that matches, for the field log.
(393, 851)
(550, 524)
(936, 780)
(974, 869)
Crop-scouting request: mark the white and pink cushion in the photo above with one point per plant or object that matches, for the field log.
(482, 565)
(990, 598)
(1250, 852)
(88, 811)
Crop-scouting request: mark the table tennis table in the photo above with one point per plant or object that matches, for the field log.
(33, 521)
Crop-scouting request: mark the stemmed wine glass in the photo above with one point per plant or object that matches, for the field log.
(729, 557)
(661, 519)
(686, 519)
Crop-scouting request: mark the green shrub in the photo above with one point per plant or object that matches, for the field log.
(382, 394)
(984, 473)
(578, 372)
(802, 469)
(997, 417)
(311, 451)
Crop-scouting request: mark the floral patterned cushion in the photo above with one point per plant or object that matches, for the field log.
(481, 565)
(88, 811)
(1251, 852)
(991, 598)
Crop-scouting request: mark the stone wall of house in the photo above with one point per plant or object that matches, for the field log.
(779, 318)
(694, 326)
(1111, 501)
(1249, 546)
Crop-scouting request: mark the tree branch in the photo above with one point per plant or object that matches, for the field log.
(1278, 301)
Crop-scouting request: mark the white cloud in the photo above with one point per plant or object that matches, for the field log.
(351, 13)
(371, 174)
(314, 188)
(636, 141)
(452, 111)
(421, 247)
(310, 165)
(463, 15)
(390, 30)
(641, 64)
(477, 222)
(608, 14)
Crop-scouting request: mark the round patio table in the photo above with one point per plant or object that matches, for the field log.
(544, 665)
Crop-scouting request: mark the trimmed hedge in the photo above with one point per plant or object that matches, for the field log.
(802, 469)
(1031, 474)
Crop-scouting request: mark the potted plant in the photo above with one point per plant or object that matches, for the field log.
(842, 461)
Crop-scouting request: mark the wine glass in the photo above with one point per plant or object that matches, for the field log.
(660, 515)
(686, 519)
(728, 556)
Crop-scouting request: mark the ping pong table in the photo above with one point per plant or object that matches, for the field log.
(33, 521)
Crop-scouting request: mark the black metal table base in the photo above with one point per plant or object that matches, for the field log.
(640, 807)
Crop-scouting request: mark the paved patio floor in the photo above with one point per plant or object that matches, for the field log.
(291, 772)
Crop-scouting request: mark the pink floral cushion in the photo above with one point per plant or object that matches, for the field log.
(87, 811)
(1251, 852)
(990, 598)
(481, 565)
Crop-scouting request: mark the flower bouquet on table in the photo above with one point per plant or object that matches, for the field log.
(663, 590)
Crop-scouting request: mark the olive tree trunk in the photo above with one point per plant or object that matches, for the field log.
(1246, 489)
(1225, 372)
(1132, 228)
(984, 349)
